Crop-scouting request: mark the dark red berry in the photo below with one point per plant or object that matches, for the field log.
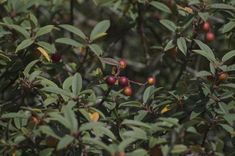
(110, 80)
(151, 80)
(123, 81)
(205, 26)
(122, 63)
(209, 36)
(127, 91)
(56, 57)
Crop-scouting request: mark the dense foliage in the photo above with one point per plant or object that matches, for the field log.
(117, 77)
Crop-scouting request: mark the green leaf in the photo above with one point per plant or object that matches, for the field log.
(179, 149)
(24, 44)
(210, 57)
(95, 142)
(57, 90)
(44, 30)
(125, 143)
(228, 27)
(69, 41)
(67, 83)
(47, 130)
(222, 6)
(204, 47)
(29, 67)
(71, 116)
(168, 24)
(160, 6)
(99, 29)
(56, 116)
(181, 43)
(74, 30)
(76, 84)
(228, 128)
(17, 28)
(96, 49)
(228, 55)
(147, 93)
(64, 142)
(50, 48)
(46, 152)
(135, 123)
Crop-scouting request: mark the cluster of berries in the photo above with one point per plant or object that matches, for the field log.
(123, 81)
(209, 35)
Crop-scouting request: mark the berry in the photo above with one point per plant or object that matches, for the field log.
(118, 153)
(122, 63)
(222, 76)
(172, 52)
(55, 57)
(205, 26)
(210, 78)
(127, 91)
(110, 80)
(209, 36)
(151, 80)
(123, 81)
(35, 120)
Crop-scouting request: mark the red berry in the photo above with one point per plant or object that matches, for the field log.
(123, 81)
(110, 80)
(205, 26)
(55, 57)
(222, 76)
(122, 63)
(209, 36)
(127, 91)
(151, 80)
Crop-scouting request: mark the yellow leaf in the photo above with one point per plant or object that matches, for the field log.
(94, 116)
(186, 9)
(165, 109)
(44, 53)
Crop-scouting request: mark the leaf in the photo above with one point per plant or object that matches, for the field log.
(228, 55)
(96, 49)
(69, 41)
(95, 142)
(204, 47)
(179, 149)
(181, 43)
(28, 68)
(44, 30)
(67, 83)
(135, 123)
(50, 48)
(228, 27)
(46, 152)
(71, 116)
(222, 6)
(74, 30)
(64, 142)
(168, 24)
(210, 57)
(109, 61)
(44, 53)
(147, 93)
(76, 84)
(99, 29)
(47, 130)
(24, 44)
(160, 6)
(17, 28)
(56, 90)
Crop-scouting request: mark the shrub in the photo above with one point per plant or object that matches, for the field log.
(117, 77)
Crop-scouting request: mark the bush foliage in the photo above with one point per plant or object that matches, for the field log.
(117, 77)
